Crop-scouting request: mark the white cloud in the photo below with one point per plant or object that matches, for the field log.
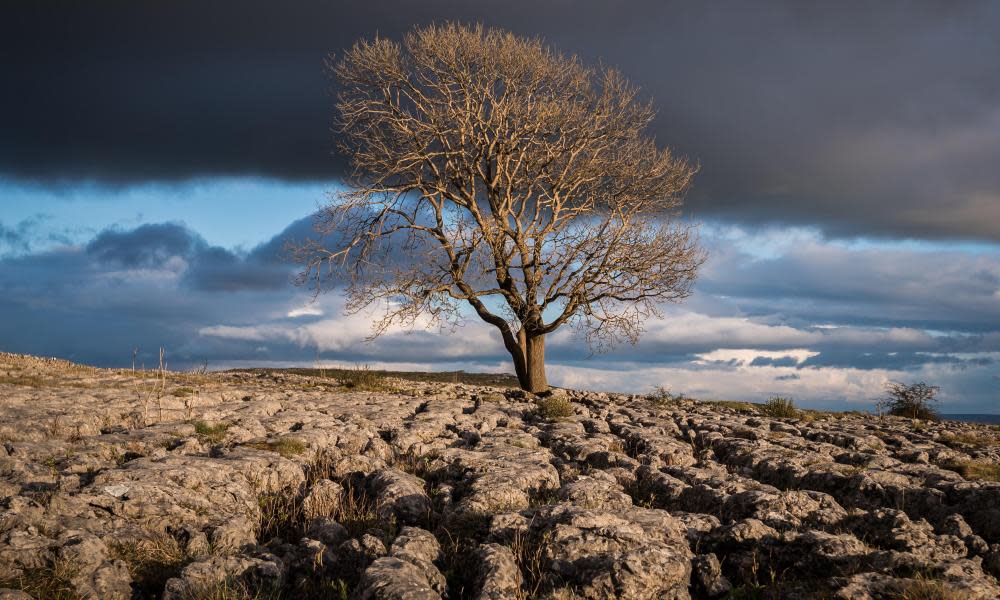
(697, 329)
(746, 356)
(828, 386)
(352, 333)
(228, 332)
(309, 310)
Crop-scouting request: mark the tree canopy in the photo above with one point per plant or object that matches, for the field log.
(492, 171)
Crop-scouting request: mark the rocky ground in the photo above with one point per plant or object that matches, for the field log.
(267, 485)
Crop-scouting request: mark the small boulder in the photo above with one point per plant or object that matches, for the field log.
(206, 577)
(499, 575)
(234, 534)
(421, 548)
(323, 500)
(390, 578)
(401, 495)
(707, 575)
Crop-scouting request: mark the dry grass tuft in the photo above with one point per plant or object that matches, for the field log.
(415, 464)
(976, 469)
(53, 582)
(152, 559)
(923, 588)
(529, 551)
(235, 589)
(358, 512)
(23, 380)
(740, 407)
(281, 515)
(970, 438)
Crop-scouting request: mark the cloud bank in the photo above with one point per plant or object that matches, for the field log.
(742, 335)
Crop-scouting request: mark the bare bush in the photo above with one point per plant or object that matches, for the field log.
(915, 401)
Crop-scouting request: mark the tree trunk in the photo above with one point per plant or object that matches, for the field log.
(535, 363)
(529, 362)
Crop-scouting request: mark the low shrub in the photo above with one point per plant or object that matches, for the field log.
(662, 397)
(552, 408)
(779, 407)
(914, 401)
(361, 379)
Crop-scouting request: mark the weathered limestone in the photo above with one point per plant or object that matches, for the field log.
(265, 482)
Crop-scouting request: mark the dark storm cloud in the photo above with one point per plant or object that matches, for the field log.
(13, 238)
(18, 238)
(146, 287)
(858, 358)
(863, 118)
(206, 268)
(762, 361)
(265, 267)
(146, 245)
(816, 283)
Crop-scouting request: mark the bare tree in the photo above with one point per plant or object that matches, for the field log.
(492, 171)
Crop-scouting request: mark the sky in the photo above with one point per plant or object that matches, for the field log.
(154, 158)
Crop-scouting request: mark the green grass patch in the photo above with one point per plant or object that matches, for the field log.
(211, 433)
(286, 446)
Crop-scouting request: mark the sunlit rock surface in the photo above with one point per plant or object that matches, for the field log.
(118, 484)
